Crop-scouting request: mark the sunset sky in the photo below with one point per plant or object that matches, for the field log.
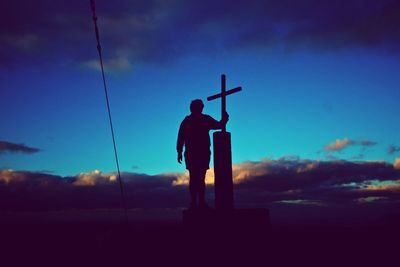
(320, 92)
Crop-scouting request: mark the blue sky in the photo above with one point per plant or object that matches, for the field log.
(291, 104)
(315, 125)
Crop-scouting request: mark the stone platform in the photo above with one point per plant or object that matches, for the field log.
(258, 218)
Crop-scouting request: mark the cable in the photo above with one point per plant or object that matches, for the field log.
(93, 6)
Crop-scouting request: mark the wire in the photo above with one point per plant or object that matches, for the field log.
(93, 6)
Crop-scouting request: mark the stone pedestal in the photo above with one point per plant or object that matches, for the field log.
(223, 171)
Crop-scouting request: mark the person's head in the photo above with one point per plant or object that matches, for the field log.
(196, 107)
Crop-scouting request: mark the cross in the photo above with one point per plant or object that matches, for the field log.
(223, 95)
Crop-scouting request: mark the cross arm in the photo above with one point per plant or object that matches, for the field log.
(229, 92)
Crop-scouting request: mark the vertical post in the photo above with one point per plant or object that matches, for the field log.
(223, 171)
(223, 160)
(223, 99)
(223, 155)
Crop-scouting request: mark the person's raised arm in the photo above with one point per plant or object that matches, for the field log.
(219, 124)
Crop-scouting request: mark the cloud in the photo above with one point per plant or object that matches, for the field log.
(366, 143)
(112, 65)
(287, 174)
(94, 178)
(183, 178)
(397, 163)
(393, 149)
(29, 179)
(392, 186)
(301, 202)
(24, 190)
(370, 199)
(24, 42)
(339, 144)
(357, 157)
(159, 31)
(13, 148)
(286, 186)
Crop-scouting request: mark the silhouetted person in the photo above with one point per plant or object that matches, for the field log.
(194, 135)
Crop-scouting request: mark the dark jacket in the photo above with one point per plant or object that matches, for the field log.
(194, 135)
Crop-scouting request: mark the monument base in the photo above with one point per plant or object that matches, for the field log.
(255, 218)
(223, 171)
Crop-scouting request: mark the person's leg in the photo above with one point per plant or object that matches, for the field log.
(193, 188)
(202, 187)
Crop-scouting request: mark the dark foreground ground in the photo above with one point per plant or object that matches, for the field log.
(173, 244)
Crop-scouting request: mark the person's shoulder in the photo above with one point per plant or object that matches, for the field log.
(186, 119)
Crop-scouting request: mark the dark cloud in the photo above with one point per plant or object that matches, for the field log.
(257, 184)
(23, 190)
(150, 30)
(134, 167)
(393, 149)
(321, 181)
(12, 147)
(358, 157)
(367, 143)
